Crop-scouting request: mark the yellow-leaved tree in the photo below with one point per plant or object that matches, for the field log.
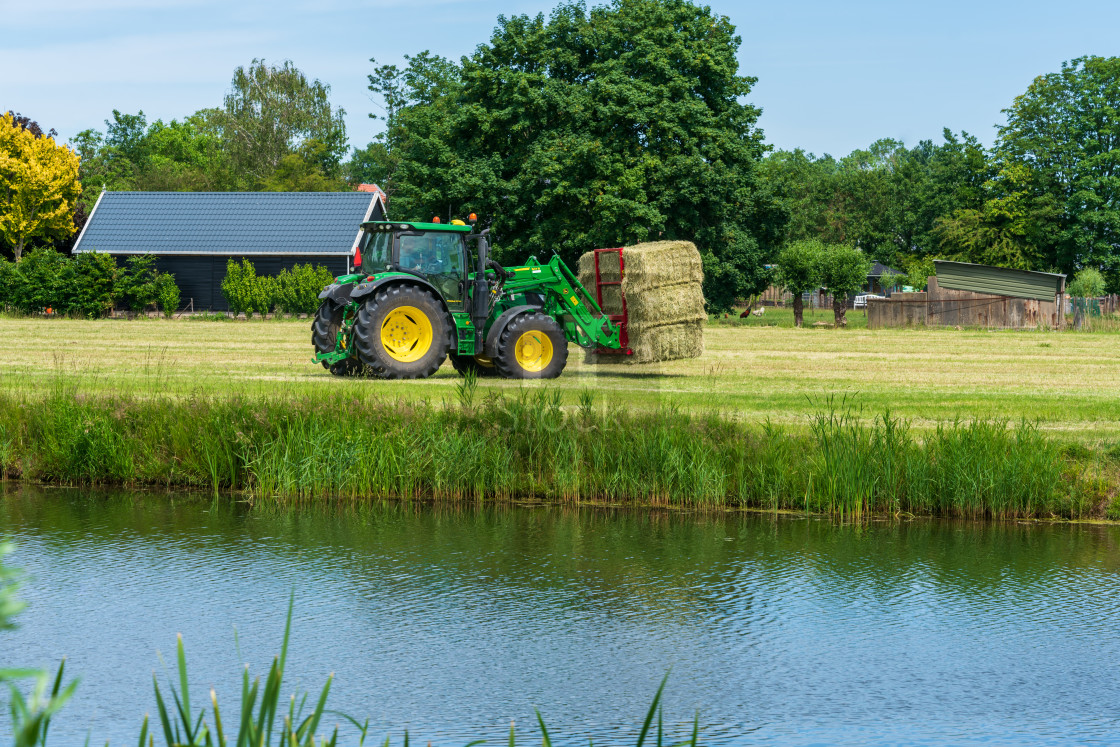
(38, 186)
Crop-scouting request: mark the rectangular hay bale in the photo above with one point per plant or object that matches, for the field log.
(666, 342)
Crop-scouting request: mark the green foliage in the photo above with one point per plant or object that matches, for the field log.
(88, 285)
(269, 111)
(799, 266)
(888, 281)
(167, 294)
(8, 284)
(297, 291)
(596, 128)
(919, 272)
(137, 284)
(886, 199)
(1061, 140)
(1087, 283)
(245, 291)
(37, 281)
(844, 272)
(278, 449)
(302, 172)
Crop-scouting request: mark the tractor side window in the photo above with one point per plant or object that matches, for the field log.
(438, 255)
(377, 251)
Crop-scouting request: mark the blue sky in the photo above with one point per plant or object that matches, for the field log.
(832, 76)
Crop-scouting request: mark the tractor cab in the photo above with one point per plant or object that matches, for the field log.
(432, 251)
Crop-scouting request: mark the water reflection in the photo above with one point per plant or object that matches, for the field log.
(452, 621)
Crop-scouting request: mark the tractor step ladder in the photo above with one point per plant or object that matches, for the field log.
(620, 319)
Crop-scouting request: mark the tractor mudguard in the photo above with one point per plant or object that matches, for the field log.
(490, 348)
(337, 292)
(367, 289)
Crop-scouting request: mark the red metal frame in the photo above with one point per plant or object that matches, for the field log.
(621, 319)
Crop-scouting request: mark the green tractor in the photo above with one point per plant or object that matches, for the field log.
(412, 300)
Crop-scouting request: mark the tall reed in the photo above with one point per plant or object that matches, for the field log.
(528, 446)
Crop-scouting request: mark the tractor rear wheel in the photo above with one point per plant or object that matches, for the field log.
(324, 336)
(532, 346)
(403, 332)
(482, 366)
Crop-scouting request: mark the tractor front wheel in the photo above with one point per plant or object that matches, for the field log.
(532, 346)
(403, 332)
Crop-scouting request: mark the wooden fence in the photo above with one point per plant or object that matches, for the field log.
(952, 308)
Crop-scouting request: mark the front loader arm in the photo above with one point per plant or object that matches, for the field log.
(567, 300)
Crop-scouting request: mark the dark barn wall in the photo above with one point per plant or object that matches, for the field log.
(200, 277)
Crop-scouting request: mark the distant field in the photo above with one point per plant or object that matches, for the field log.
(1069, 382)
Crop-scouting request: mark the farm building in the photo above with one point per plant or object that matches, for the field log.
(194, 234)
(969, 295)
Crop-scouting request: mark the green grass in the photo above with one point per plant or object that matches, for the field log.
(526, 445)
(1069, 383)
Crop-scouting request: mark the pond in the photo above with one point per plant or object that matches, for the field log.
(453, 621)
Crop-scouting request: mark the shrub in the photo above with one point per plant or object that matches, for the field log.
(1087, 283)
(235, 286)
(37, 281)
(137, 285)
(245, 291)
(167, 294)
(7, 280)
(297, 291)
(88, 285)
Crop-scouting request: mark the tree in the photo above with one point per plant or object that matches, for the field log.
(799, 270)
(38, 187)
(1087, 283)
(888, 281)
(1064, 132)
(271, 111)
(27, 123)
(301, 172)
(607, 127)
(844, 272)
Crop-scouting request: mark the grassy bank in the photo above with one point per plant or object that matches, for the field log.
(1069, 383)
(489, 446)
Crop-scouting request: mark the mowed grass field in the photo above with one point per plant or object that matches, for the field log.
(1067, 382)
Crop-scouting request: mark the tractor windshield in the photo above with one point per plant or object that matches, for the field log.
(377, 251)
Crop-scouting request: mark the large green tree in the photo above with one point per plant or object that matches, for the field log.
(621, 124)
(1064, 134)
(270, 112)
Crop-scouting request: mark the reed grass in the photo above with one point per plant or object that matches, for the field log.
(529, 445)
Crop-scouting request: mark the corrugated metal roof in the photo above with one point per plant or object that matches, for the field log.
(998, 281)
(272, 223)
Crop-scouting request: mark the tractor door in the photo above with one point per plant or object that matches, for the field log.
(441, 256)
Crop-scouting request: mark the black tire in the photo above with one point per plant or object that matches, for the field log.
(549, 340)
(324, 336)
(483, 369)
(377, 317)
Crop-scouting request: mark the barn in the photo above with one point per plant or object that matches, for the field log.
(194, 234)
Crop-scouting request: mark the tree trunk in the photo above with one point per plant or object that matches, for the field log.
(840, 310)
(19, 250)
(798, 310)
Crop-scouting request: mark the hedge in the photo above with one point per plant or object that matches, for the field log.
(86, 285)
(294, 291)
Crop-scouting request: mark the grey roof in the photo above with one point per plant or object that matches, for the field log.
(878, 269)
(225, 222)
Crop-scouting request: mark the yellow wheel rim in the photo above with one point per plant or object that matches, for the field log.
(533, 350)
(406, 334)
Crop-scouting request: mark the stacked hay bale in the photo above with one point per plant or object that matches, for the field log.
(664, 299)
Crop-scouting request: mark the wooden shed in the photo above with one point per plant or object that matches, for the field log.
(193, 235)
